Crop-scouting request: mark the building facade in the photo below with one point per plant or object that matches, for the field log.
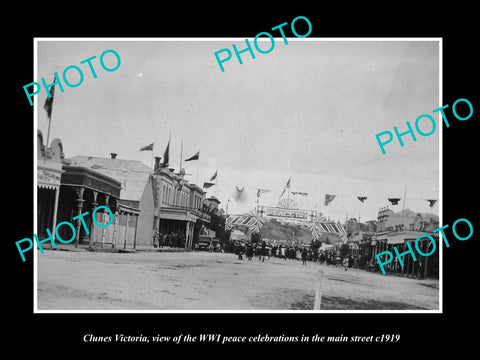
(83, 190)
(49, 172)
(398, 229)
(179, 205)
(136, 207)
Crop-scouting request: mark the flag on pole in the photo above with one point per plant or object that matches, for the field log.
(329, 198)
(262, 191)
(194, 157)
(166, 155)
(214, 176)
(206, 185)
(287, 186)
(147, 148)
(49, 102)
(299, 193)
(362, 198)
(432, 202)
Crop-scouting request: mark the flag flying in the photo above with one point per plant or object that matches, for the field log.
(299, 193)
(362, 198)
(262, 191)
(49, 102)
(214, 176)
(206, 185)
(166, 155)
(329, 198)
(194, 157)
(287, 186)
(394, 201)
(147, 148)
(432, 202)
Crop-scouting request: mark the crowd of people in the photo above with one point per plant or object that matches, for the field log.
(264, 251)
(171, 239)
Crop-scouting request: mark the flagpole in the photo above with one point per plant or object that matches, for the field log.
(198, 166)
(403, 206)
(181, 155)
(49, 112)
(48, 131)
(258, 199)
(288, 194)
(151, 160)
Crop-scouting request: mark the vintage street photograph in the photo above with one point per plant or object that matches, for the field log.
(168, 185)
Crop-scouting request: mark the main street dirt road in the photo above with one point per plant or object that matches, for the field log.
(71, 280)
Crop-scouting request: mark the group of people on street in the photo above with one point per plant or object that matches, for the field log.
(171, 239)
(260, 249)
(264, 251)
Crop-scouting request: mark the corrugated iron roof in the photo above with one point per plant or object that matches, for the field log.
(132, 174)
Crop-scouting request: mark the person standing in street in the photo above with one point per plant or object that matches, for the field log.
(263, 251)
(304, 256)
(155, 238)
(161, 240)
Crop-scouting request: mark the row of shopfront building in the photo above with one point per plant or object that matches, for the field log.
(396, 230)
(144, 201)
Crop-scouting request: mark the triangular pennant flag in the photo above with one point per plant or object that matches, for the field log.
(194, 157)
(362, 198)
(262, 191)
(147, 148)
(432, 202)
(214, 176)
(287, 186)
(206, 185)
(166, 155)
(394, 201)
(299, 193)
(329, 198)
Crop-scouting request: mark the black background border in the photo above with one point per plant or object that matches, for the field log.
(422, 332)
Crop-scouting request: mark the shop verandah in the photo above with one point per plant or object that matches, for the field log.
(422, 267)
(83, 190)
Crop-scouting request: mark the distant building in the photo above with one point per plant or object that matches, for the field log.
(396, 229)
(211, 204)
(179, 204)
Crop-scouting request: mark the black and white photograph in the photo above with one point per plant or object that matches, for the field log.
(221, 179)
(262, 187)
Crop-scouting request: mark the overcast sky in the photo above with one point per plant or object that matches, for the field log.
(308, 111)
